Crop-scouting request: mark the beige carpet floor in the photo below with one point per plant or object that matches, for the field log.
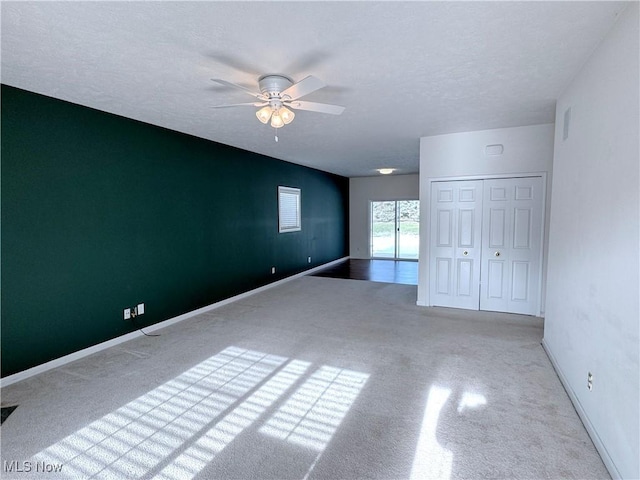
(318, 378)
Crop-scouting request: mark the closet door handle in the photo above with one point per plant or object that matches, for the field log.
(465, 253)
(497, 254)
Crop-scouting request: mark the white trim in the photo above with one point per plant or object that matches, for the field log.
(72, 357)
(543, 233)
(595, 438)
(23, 375)
(485, 177)
(282, 190)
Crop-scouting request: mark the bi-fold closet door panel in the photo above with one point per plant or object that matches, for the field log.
(456, 221)
(485, 244)
(511, 245)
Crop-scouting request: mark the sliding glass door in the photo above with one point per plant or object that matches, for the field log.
(408, 240)
(383, 229)
(394, 229)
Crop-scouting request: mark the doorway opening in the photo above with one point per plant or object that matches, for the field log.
(394, 232)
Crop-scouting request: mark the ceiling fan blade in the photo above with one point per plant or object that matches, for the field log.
(303, 87)
(250, 104)
(234, 62)
(240, 87)
(308, 61)
(315, 107)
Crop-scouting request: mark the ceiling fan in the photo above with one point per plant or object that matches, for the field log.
(277, 92)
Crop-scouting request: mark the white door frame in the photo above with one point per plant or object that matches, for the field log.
(425, 214)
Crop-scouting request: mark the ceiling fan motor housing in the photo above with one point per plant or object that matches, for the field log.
(272, 85)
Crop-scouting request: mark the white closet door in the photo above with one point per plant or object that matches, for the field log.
(511, 245)
(456, 219)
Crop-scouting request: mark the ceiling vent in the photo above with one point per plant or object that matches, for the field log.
(492, 150)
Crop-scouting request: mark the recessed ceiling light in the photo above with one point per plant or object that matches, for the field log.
(386, 171)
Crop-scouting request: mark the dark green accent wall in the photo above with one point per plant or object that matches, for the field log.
(100, 213)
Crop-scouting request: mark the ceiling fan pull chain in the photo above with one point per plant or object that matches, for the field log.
(275, 130)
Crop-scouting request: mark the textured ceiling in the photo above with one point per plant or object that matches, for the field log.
(402, 70)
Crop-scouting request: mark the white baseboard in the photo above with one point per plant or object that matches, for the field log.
(595, 438)
(17, 377)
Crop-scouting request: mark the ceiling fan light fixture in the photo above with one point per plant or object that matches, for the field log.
(275, 91)
(264, 114)
(286, 115)
(276, 120)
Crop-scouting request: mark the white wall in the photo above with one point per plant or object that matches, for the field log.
(526, 150)
(362, 190)
(592, 317)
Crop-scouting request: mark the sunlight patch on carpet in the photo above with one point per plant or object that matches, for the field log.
(431, 461)
(132, 440)
(313, 413)
(175, 430)
(196, 457)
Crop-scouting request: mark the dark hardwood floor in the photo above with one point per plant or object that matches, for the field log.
(387, 271)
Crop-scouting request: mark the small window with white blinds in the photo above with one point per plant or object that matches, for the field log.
(289, 209)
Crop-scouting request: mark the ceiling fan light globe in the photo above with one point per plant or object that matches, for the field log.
(264, 114)
(276, 121)
(286, 115)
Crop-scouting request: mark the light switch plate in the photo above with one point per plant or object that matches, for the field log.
(140, 308)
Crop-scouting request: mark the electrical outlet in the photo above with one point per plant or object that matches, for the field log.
(273, 270)
(127, 313)
(590, 381)
(140, 309)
